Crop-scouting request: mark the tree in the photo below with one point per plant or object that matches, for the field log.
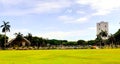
(103, 34)
(63, 42)
(91, 42)
(117, 36)
(29, 37)
(71, 43)
(81, 42)
(2, 39)
(37, 41)
(99, 40)
(5, 28)
(19, 36)
(111, 39)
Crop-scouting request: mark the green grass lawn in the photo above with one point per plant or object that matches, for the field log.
(81, 56)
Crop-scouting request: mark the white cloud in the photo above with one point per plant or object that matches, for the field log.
(82, 20)
(69, 11)
(20, 30)
(63, 34)
(22, 7)
(68, 19)
(55, 34)
(10, 2)
(69, 35)
(92, 28)
(101, 12)
(102, 7)
(80, 12)
(13, 31)
(51, 6)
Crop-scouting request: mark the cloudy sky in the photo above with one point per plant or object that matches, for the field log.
(60, 19)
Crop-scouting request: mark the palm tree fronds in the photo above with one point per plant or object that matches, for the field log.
(1, 25)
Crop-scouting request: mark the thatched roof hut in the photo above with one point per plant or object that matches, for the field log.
(19, 42)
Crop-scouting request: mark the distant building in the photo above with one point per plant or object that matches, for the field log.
(102, 26)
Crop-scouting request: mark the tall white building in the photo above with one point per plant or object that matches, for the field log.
(102, 26)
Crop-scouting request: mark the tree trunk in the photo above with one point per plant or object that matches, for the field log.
(5, 40)
(100, 44)
(112, 44)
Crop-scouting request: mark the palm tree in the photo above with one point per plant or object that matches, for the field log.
(5, 28)
(19, 36)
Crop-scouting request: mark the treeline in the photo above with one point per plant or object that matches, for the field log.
(40, 42)
(113, 41)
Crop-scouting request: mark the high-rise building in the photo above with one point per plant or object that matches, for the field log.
(102, 26)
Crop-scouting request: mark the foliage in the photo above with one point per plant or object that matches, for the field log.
(2, 39)
(29, 37)
(19, 36)
(111, 39)
(81, 42)
(98, 40)
(91, 42)
(117, 36)
(71, 43)
(103, 33)
(5, 26)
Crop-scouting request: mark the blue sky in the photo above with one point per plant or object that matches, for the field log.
(60, 19)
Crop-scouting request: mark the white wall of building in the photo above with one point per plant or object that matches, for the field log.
(102, 26)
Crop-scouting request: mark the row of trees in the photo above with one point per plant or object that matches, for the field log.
(112, 41)
(42, 42)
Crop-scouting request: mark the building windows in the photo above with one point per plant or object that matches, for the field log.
(99, 24)
(99, 28)
(102, 26)
(105, 26)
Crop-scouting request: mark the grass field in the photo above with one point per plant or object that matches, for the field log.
(81, 56)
